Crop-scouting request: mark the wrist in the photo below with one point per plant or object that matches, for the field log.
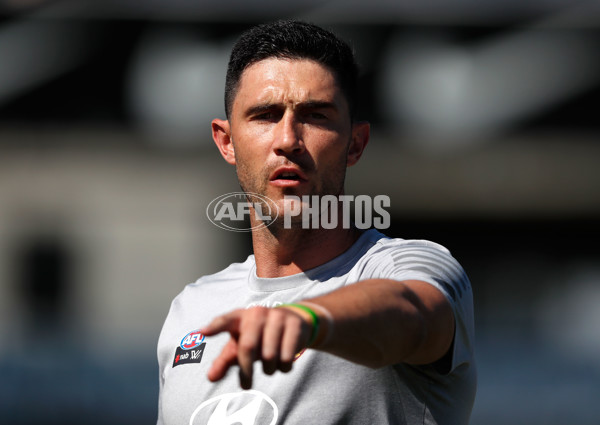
(318, 317)
(309, 316)
(325, 323)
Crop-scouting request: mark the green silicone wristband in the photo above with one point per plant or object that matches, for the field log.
(315, 321)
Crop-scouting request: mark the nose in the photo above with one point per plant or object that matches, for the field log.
(288, 136)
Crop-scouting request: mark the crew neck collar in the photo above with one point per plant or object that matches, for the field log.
(336, 266)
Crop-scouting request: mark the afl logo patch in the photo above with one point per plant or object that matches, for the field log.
(190, 349)
(192, 340)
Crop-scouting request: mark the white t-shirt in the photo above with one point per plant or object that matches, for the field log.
(321, 388)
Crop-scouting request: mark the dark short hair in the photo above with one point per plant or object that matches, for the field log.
(291, 39)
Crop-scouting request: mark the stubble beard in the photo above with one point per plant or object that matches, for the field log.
(252, 184)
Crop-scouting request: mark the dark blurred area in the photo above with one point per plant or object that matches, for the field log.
(485, 137)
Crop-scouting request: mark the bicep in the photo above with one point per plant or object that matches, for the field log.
(437, 321)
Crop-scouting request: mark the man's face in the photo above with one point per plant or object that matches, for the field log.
(290, 129)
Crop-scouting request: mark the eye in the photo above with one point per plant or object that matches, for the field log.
(267, 116)
(318, 115)
(264, 116)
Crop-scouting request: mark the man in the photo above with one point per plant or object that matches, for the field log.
(354, 327)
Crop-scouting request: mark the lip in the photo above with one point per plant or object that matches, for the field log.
(287, 182)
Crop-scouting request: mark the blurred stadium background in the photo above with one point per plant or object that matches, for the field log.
(486, 138)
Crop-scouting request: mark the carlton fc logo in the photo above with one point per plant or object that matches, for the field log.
(242, 408)
(190, 349)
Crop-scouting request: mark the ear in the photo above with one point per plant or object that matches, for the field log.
(221, 132)
(360, 137)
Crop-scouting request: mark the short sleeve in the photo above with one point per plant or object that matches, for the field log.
(432, 263)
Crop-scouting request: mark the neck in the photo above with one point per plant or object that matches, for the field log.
(284, 252)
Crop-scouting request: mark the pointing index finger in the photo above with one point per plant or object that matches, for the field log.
(227, 323)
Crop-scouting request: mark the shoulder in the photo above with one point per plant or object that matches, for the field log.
(381, 240)
(383, 247)
(232, 272)
(225, 280)
(415, 259)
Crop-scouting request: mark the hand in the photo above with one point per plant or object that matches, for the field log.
(271, 335)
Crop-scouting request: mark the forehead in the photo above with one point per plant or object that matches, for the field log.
(288, 81)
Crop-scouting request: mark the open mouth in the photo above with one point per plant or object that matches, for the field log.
(288, 176)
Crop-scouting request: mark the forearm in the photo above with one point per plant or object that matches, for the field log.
(380, 322)
(374, 323)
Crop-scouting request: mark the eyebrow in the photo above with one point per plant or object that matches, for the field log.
(316, 104)
(311, 104)
(259, 109)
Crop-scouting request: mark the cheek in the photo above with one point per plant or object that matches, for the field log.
(332, 151)
(252, 142)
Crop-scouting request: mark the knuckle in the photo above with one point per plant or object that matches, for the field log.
(257, 311)
(294, 321)
(246, 347)
(278, 312)
(276, 318)
(254, 315)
